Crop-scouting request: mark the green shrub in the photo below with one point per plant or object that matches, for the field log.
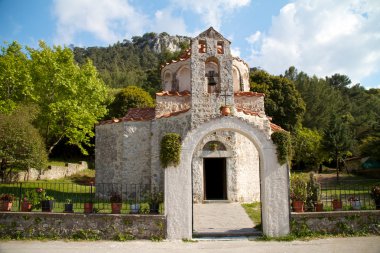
(284, 146)
(170, 151)
(144, 208)
(298, 187)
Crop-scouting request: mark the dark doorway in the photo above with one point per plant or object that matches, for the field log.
(215, 183)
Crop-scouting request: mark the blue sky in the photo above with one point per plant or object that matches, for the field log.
(320, 37)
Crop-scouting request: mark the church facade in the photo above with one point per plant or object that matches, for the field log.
(225, 155)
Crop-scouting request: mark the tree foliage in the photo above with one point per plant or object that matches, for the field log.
(282, 101)
(70, 97)
(21, 146)
(130, 97)
(15, 79)
(284, 146)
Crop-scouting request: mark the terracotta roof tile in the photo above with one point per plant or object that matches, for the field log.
(174, 93)
(248, 94)
(183, 57)
(276, 128)
(248, 112)
(139, 114)
(167, 115)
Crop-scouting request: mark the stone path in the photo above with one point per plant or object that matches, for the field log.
(222, 219)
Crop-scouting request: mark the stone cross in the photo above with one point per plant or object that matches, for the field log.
(225, 96)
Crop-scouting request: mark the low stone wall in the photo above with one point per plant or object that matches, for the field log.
(337, 222)
(19, 225)
(52, 172)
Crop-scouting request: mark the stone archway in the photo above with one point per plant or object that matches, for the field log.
(274, 180)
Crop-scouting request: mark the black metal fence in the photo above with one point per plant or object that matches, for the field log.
(136, 198)
(354, 195)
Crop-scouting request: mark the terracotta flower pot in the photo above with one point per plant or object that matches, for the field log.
(298, 206)
(26, 206)
(337, 205)
(318, 207)
(116, 207)
(88, 207)
(6, 206)
(225, 110)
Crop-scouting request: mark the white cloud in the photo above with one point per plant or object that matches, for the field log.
(235, 51)
(211, 12)
(164, 21)
(108, 21)
(322, 37)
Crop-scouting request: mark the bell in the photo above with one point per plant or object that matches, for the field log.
(211, 81)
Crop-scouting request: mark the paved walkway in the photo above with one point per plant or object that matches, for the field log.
(330, 245)
(222, 219)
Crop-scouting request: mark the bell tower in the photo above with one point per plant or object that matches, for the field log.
(211, 76)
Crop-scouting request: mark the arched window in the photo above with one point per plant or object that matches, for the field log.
(212, 75)
(236, 79)
(167, 81)
(214, 146)
(183, 78)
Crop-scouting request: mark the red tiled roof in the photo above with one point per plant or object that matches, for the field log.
(248, 94)
(275, 128)
(139, 114)
(167, 115)
(248, 112)
(183, 57)
(173, 93)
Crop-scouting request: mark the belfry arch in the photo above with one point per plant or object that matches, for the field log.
(273, 177)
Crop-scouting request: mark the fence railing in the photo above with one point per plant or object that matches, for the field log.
(355, 195)
(136, 198)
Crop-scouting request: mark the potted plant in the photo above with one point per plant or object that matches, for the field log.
(133, 203)
(298, 192)
(47, 202)
(337, 203)
(28, 200)
(313, 194)
(88, 207)
(68, 206)
(116, 202)
(144, 208)
(375, 194)
(6, 201)
(225, 110)
(355, 203)
(155, 199)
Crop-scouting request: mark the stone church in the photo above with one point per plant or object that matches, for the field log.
(225, 164)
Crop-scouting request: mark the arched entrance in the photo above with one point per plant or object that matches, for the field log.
(274, 180)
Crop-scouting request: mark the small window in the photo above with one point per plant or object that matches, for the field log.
(214, 146)
(220, 47)
(202, 46)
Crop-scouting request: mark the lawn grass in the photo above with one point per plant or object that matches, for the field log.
(254, 212)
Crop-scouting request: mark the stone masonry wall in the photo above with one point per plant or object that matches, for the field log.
(346, 222)
(123, 153)
(255, 104)
(177, 124)
(247, 170)
(169, 104)
(18, 225)
(52, 172)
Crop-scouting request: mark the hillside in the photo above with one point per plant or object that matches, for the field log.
(135, 62)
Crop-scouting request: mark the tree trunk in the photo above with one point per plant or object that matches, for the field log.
(55, 144)
(337, 167)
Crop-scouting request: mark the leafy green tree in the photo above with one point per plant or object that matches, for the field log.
(15, 81)
(21, 146)
(282, 101)
(130, 97)
(307, 145)
(70, 97)
(337, 140)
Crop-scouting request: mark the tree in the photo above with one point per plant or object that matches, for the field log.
(15, 80)
(130, 97)
(282, 101)
(70, 97)
(21, 146)
(338, 139)
(307, 145)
